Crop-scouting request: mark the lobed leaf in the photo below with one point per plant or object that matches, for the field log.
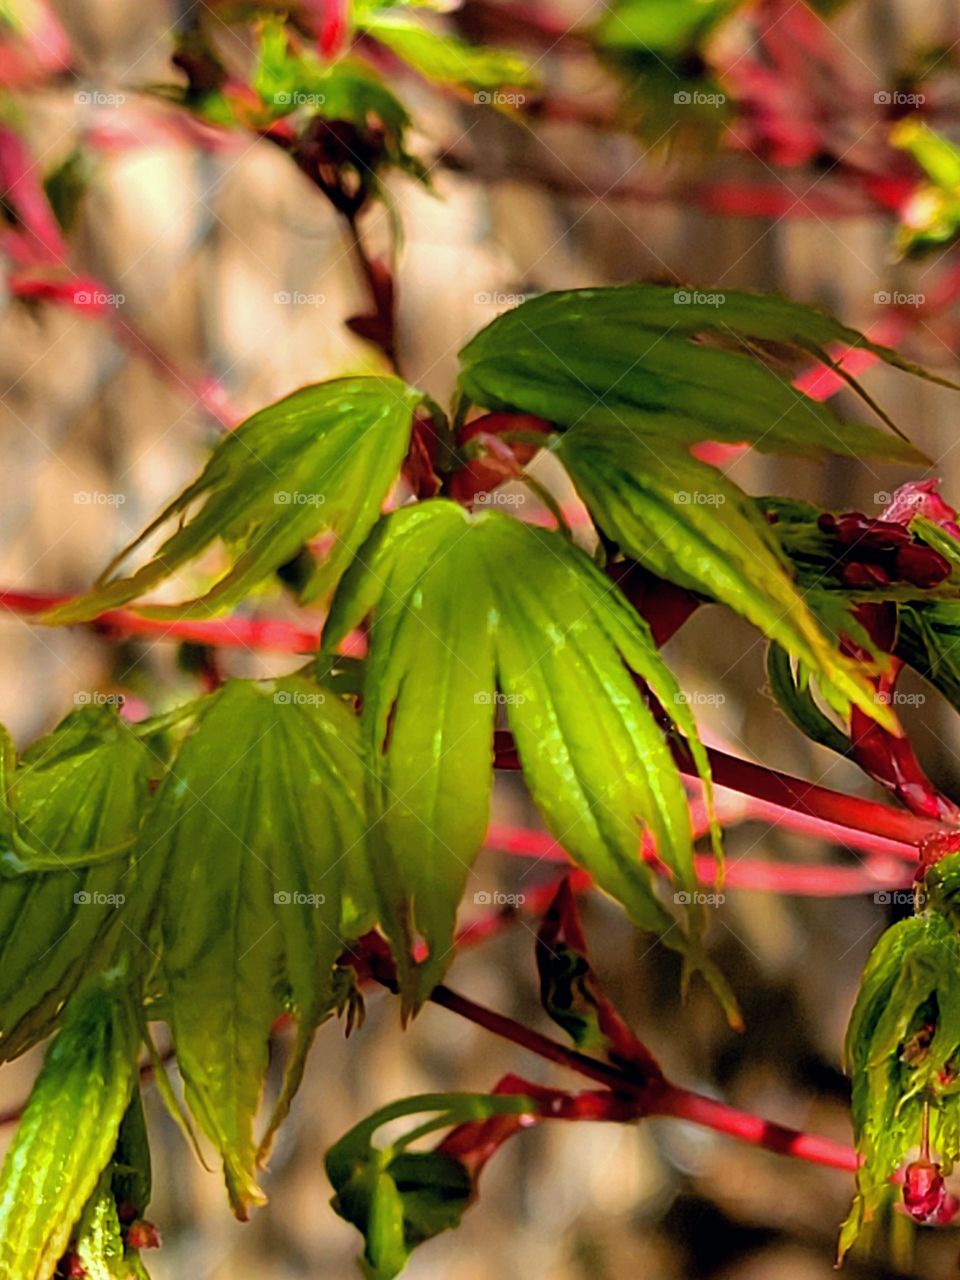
(455, 632)
(633, 356)
(68, 1130)
(320, 461)
(249, 840)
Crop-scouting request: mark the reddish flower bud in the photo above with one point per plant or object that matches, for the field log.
(922, 566)
(866, 576)
(143, 1235)
(482, 474)
(923, 1190)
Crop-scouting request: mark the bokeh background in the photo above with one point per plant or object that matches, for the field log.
(233, 266)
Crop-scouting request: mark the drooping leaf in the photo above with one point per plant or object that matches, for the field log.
(399, 1198)
(456, 631)
(443, 58)
(634, 356)
(250, 838)
(68, 1130)
(77, 795)
(903, 1049)
(320, 461)
(686, 522)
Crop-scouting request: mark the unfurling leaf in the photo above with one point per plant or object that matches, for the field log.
(456, 631)
(250, 840)
(111, 1231)
(903, 1052)
(399, 1198)
(77, 795)
(68, 1130)
(73, 805)
(319, 462)
(686, 522)
(633, 356)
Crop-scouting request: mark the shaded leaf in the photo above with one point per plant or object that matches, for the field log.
(250, 839)
(399, 1198)
(797, 702)
(320, 461)
(68, 1130)
(632, 355)
(456, 631)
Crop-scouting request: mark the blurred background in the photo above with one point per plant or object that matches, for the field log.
(220, 278)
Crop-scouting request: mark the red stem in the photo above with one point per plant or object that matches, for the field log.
(655, 1095)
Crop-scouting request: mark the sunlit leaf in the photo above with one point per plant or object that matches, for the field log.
(633, 356)
(250, 838)
(686, 522)
(68, 1131)
(444, 58)
(457, 631)
(319, 462)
